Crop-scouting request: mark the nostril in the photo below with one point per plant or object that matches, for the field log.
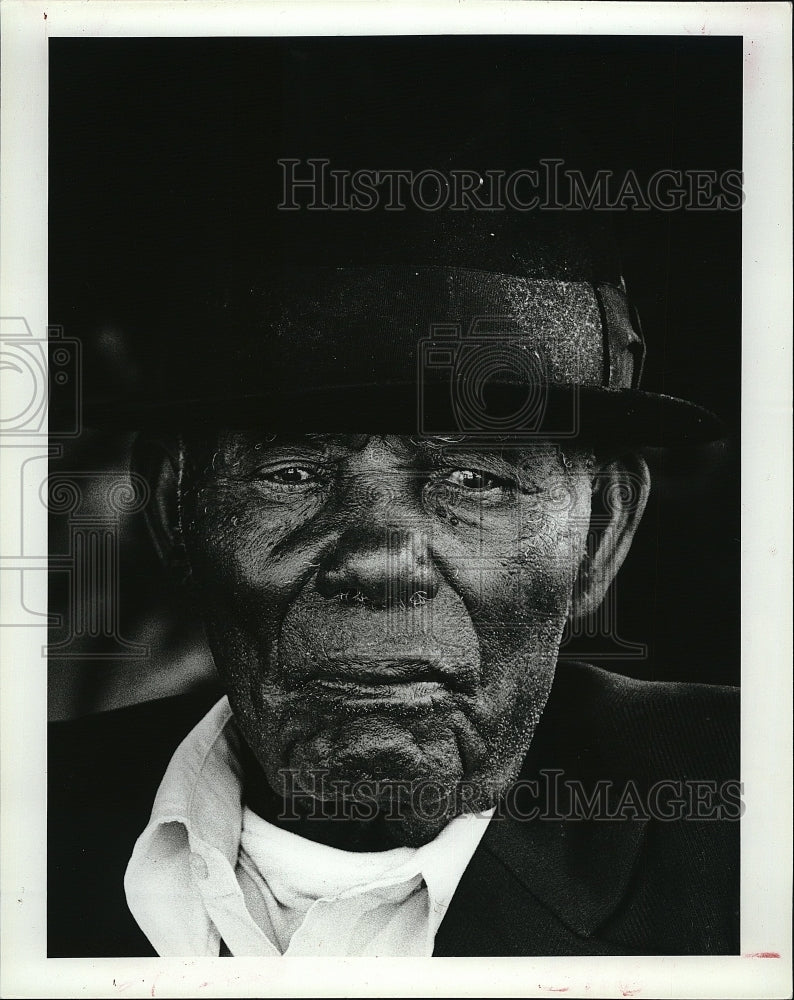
(419, 597)
(379, 572)
(396, 597)
(354, 597)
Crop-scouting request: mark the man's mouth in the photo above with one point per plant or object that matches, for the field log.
(383, 670)
(404, 680)
(409, 694)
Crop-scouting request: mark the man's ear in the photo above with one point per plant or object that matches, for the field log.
(620, 493)
(158, 461)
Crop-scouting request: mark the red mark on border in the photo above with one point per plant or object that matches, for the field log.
(629, 991)
(761, 954)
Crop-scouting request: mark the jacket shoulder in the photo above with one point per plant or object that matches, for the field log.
(103, 774)
(659, 729)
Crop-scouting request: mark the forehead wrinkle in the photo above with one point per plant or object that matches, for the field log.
(353, 441)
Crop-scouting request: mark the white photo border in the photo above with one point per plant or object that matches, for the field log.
(766, 872)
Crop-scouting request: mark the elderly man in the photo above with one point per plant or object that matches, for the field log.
(390, 484)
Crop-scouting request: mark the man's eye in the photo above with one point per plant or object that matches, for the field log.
(290, 475)
(475, 480)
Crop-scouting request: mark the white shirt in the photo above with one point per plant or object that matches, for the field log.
(207, 869)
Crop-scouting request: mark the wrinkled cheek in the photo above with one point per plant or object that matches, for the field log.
(230, 551)
(546, 563)
(524, 597)
(519, 614)
(239, 604)
(508, 715)
(253, 689)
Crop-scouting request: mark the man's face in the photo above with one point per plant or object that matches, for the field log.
(381, 608)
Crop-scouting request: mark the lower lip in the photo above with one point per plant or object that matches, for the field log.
(406, 694)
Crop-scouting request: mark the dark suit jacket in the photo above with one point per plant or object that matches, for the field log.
(537, 885)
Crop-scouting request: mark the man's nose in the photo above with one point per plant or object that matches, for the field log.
(381, 570)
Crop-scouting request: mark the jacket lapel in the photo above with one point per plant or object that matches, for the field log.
(542, 887)
(579, 870)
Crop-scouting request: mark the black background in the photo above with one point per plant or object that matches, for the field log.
(163, 151)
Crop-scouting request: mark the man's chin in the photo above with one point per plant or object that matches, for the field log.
(374, 757)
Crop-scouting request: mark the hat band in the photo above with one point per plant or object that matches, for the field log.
(314, 328)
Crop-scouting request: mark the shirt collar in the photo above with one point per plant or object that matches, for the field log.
(316, 870)
(195, 821)
(202, 786)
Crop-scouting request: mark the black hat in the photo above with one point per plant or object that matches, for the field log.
(475, 322)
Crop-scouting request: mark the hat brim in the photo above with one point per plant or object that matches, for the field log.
(601, 416)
